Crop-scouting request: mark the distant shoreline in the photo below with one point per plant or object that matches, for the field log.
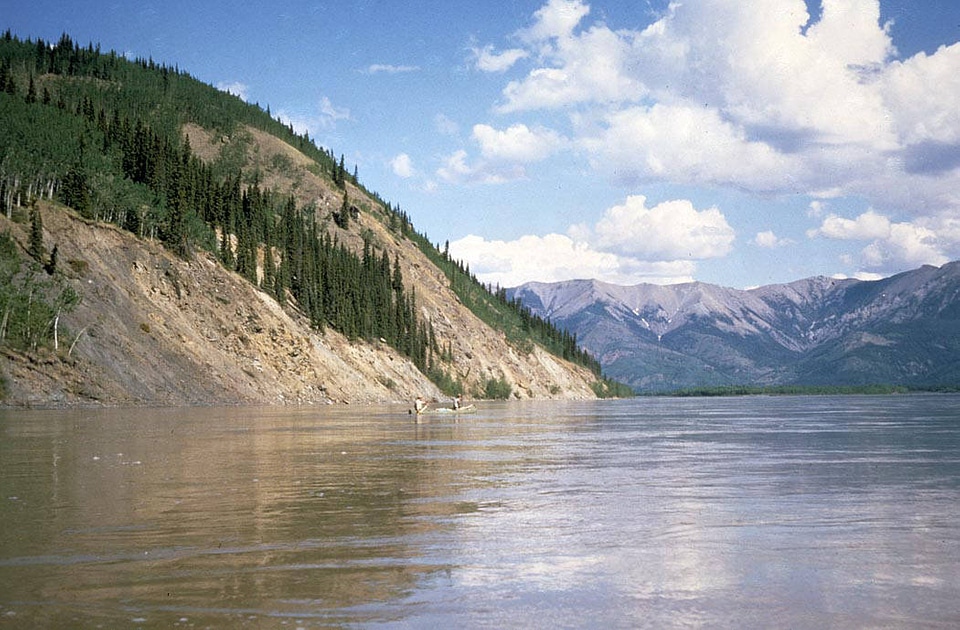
(802, 390)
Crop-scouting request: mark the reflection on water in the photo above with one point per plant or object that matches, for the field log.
(788, 512)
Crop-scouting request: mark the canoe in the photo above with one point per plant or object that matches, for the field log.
(445, 410)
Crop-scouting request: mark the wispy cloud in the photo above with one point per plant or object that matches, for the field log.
(384, 68)
(331, 113)
(445, 125)
(325, 118)
(488, 60)
(458, 169)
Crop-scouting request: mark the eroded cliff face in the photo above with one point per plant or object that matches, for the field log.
(152, 329)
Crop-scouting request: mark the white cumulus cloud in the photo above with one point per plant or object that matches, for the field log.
(517, 143)
(905, 244)
(769, 240)
(894, 245)
(557, 257)
(557, 18)
(587, 67)
(630, 244)
(688, 144)
(672, 230)
(402, 166)
(868, 225)
(756, 95)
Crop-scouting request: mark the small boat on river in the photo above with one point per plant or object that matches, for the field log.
(448, 410)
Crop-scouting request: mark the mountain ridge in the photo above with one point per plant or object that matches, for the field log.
(819, 330)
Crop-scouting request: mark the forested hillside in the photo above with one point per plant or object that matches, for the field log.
(110, 139)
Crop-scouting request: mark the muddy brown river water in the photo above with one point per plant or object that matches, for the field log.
(792, 512)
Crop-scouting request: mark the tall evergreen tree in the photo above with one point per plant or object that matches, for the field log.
(36, 249)
(74, 191)
(342, 217)
(31, 92)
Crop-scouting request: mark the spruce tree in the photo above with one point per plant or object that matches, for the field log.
(74, 191)
(31, 92)
(36, 249)
(342, 218)
(51, 265)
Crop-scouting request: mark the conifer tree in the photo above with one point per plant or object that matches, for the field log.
(36, 249)
(74, 191)
(342, 218)
(31, 92)
(51, 265)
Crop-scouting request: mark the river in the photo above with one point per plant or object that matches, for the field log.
(756, 512)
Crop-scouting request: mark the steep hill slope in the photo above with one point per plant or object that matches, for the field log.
(217, 256)
(819, 331)
(477, 352)
(154, 329)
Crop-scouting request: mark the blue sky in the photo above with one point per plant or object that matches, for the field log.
(740, 142)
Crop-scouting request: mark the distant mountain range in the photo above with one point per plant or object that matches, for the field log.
(902, 330)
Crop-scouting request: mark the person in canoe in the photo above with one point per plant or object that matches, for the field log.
(457, 402)
(420, 404)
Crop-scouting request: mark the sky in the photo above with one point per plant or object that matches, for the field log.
(736, 142)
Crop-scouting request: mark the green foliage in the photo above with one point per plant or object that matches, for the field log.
(30, 300)
(342, 217)
(607, 388)
(497, 389)
(443, 380)
(74, 190)
(36, 249)
(521, 327)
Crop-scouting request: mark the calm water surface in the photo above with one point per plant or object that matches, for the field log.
(808, 512)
